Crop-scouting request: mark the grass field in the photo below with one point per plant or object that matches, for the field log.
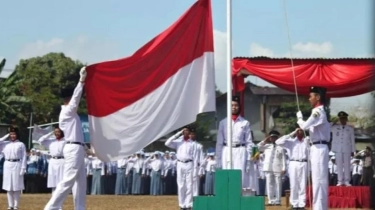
(106, 202)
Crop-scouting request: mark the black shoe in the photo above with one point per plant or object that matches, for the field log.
(10, 208)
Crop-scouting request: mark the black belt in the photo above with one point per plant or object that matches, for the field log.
(58, 157)
(186, 161)
(13, 160)
(121, 168)
(320, 142)
(98, 169)
(303, 160)
(75, 142)
(236, 145)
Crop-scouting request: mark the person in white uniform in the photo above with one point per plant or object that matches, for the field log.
(74, 179)
(343, 145)
(242, 145)
(274, 167)
(55, 142)
(185, 156)
(319, 130)
(297, 146)
(198, 159)
(14, 153)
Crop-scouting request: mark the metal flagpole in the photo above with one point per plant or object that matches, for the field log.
(52, 123)
(31, 123)
(229, 81)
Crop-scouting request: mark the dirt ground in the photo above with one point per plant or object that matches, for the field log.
(106, 202)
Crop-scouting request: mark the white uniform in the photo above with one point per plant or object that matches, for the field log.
(319, 130)
(56, 163)
(242, 145)
(14, 153)
(198, 159)
(343, 144)
(298, 168)
(185, 156)
(273, 165)
(74, 153)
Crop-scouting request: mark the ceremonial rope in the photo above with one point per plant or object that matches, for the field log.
(296, 91)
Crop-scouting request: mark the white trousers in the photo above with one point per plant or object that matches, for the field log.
(185, 184)
(195, 182)
(298, 179)
(319, 175)
(13, 198)
(74, 179)
(239, 157)
(343, 167)
(273, 185)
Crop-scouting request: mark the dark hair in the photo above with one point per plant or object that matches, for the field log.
(62, 132)
(14, 129)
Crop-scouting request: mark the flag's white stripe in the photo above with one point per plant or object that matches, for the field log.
(174, 104)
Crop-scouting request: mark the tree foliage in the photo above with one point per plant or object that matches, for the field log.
(34, 87)
(286, 116)
(41, 79)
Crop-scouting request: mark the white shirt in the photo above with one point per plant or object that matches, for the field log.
(298, 150)
(69, 120)
(98, 165)
(184, 149)
(317, 124)
(122, 163)
(274, 157)
(241, 134)
(198, 153)
(155, 164)
(357, 169)
(343, 139)
(54, 146)
(333, 168)
(13, 150)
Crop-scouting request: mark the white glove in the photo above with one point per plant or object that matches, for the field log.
(22, 172)
(82, 74)
(299, 115)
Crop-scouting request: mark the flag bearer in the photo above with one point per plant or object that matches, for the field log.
(74, 179)
(14, 153)
(55, 142)
(319, 131)
(242, 145)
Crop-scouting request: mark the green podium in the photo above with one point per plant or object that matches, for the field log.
(228, 194)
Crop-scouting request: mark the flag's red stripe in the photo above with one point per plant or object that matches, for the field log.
(113, 85)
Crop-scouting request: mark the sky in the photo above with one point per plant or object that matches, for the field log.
(94, 31)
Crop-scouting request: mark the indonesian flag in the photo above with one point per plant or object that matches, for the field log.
(163, 86)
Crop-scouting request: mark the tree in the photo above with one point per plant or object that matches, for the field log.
(10, 103)
(40, 79)
(286, 115)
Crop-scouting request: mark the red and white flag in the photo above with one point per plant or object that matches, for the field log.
(160, 88)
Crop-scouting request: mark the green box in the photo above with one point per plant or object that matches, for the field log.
(228, 194)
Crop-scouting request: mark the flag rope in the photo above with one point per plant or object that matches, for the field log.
(296, 91)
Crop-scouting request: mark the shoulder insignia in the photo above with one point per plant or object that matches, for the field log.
(316, 114)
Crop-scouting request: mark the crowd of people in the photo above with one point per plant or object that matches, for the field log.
(283, 162)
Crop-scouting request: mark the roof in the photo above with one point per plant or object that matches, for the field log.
(260, 90)
(285, 58)
(257, 90)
